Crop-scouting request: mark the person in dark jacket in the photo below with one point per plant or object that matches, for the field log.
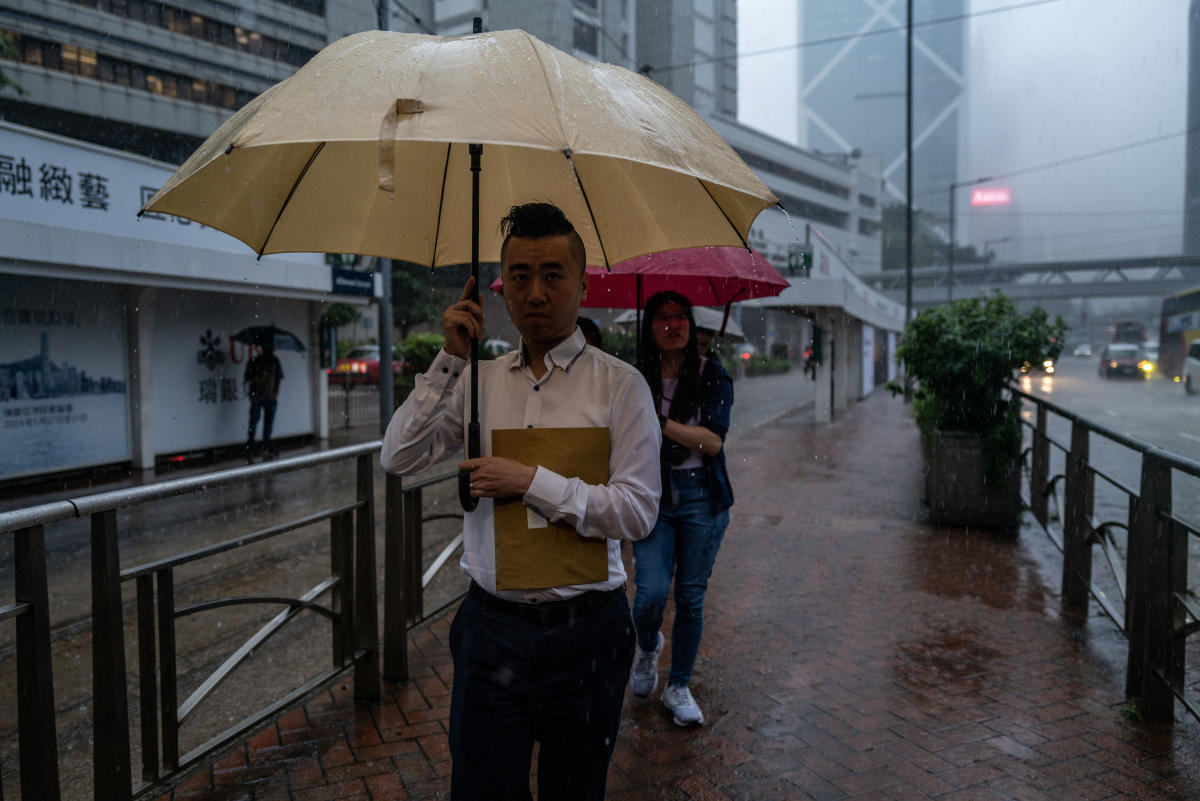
(694, 396)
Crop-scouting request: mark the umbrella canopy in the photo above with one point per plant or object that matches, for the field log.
(712, 319)
(264, 335)
(711, 276)
(365, 150)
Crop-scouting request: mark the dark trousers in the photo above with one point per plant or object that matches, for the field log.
(267, 407)
(517, 681)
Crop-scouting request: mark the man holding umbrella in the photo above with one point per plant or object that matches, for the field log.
(537, 663)
(262, 377)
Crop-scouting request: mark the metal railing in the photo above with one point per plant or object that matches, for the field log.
(1154, 608)
(351, 404)
(351, 606)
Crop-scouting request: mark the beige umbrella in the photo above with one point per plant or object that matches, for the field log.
(377, 145)
(365, 150)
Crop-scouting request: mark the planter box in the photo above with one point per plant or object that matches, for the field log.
(955, 488)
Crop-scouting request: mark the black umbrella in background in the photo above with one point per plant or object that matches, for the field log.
(269, 335)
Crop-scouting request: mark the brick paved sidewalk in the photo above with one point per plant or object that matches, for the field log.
(851, 651)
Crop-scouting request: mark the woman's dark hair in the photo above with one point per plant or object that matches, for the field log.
(686, 400)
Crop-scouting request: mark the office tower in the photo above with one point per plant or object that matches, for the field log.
(852, 88)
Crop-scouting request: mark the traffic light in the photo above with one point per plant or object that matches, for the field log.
(799, 260)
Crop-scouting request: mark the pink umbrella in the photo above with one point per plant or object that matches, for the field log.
(713, 276)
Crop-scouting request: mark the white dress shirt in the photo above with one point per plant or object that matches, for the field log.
(582, 387)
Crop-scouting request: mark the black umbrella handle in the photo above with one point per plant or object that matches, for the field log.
(464, 476)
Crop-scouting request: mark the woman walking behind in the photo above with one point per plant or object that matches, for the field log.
(694, 396)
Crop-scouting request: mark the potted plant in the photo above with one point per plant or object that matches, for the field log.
(963, 356)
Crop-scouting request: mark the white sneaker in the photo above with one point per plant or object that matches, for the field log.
(645, 669)
(678, 699)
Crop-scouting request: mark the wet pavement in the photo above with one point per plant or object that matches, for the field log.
(851, 650)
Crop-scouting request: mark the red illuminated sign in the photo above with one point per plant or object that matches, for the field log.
(998, 196)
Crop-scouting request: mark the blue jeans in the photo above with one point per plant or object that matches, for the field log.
(683, 544)
(267, 407)
(516, 682)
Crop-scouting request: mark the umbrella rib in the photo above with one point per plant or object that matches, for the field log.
(288, 199)
(741, 238)
(437, 231)
(588, 203)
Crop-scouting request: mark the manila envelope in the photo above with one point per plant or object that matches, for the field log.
(531, 552)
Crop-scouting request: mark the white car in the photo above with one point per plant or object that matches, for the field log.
(1082, 350)
(1191, 368)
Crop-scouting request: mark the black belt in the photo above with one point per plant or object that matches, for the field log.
(546, 613)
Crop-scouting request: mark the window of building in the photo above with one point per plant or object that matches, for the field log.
(77, 60)
(586, 37)
(187, 23)
(866, 201)
(590, 4)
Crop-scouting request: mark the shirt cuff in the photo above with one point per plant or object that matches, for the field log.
(445, 369)
(546, 492)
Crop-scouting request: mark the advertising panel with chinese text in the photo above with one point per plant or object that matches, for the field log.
(63, 400)
(199, 390)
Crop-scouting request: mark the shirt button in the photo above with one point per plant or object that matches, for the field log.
(537, 389)
(529, 426)
(456, 374)
(445, 369)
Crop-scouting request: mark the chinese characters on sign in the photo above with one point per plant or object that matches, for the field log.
(57, 184)
(43, 415)
(218, 390)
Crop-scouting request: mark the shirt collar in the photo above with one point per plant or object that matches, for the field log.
(562, 355)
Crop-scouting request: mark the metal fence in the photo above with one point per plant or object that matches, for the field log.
(351, 405)
(1143, 545)
(346, 597)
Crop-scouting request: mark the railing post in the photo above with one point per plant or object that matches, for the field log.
(110, 706)
(341, 564)
(366, 613)
(169, 689)
(1039, 469)
(147, 681)
(414, 593)
(35, 684)
(1157, 570)
(1077, 541)
(395, 617)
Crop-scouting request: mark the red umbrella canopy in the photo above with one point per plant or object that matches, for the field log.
(713, 276)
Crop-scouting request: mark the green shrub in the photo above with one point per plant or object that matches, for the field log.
(420, 350)
(963, 356)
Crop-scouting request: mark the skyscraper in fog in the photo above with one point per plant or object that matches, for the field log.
(690, 47)
(852, 88)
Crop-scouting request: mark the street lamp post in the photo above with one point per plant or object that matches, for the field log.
(950, 254)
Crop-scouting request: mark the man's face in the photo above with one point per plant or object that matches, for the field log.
(543, 287)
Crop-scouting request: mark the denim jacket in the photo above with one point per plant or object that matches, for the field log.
(716, 402)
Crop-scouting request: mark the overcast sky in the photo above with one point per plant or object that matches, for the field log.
(1047, 82)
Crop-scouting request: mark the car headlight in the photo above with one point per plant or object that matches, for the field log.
(1112, 364)
(1145, 365)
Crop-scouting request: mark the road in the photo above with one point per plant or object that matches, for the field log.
(1155, 410)
(285, 566)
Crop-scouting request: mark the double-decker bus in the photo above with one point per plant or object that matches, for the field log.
(1180, 325)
